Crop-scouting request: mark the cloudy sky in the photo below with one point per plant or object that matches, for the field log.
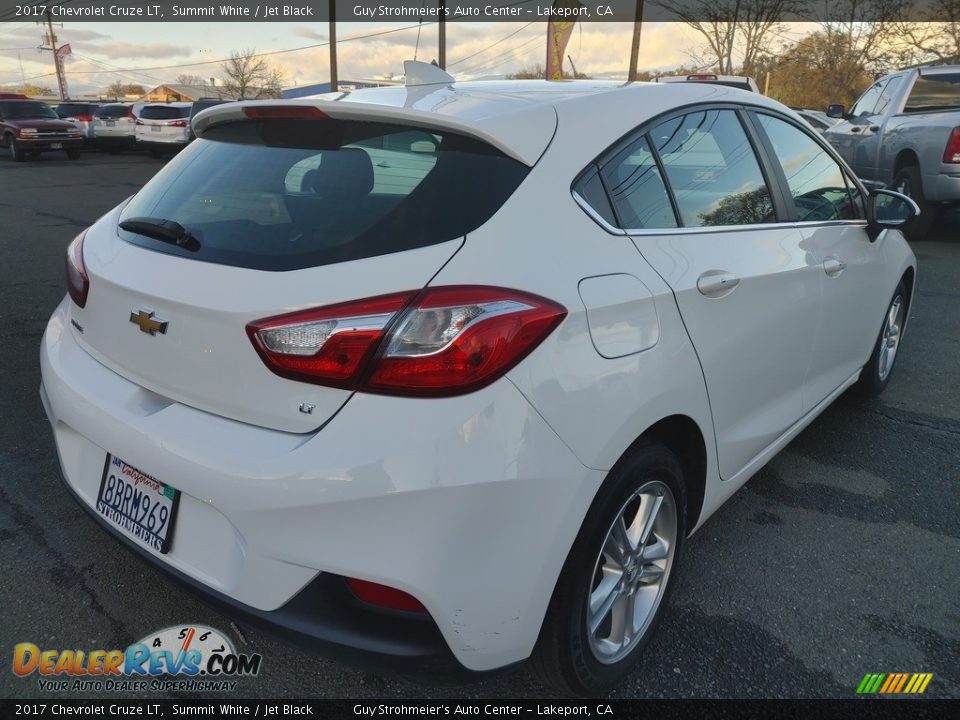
(151, 53)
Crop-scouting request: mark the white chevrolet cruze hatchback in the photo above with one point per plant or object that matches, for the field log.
(445, 375)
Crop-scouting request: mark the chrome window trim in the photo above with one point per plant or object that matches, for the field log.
(620, 232)
(594, 215)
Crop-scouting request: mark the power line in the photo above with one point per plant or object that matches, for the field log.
(491, 45)
(221, 61)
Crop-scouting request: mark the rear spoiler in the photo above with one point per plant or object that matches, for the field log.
(522, 133)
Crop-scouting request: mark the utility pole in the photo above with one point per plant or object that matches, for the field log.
(573, 67)
(334, 85)
(442, 36)
(57, 62)
(635, 45)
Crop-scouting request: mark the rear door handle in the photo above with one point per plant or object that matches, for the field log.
(833, 266)
(717, 283)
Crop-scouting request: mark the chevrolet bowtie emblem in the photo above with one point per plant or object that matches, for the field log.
(147, 323)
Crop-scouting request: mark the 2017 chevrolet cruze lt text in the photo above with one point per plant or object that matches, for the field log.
(445, 375)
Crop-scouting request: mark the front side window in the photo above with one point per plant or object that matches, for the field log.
(817, 182)
(713, 170)
(868, 101)
(887, 95)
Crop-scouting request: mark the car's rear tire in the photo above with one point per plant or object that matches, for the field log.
(586, 647)
(876, 374)
(909, 182)
(73, 154)
(16, 150)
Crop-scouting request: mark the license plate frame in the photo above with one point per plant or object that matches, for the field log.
(56, 146)
(117, 514)
(155, 128)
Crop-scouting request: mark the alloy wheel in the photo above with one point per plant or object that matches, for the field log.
(631, 572)
(890, 338)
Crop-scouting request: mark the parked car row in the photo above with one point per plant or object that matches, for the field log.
(31, 127)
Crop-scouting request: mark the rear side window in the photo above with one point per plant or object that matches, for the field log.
(816, 181)
(113, 111)
(712, 169)
(289, 194)
(637, 189)
(934, 92)
(164, 112)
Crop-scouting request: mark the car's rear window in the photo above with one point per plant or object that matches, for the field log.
(289, 194)
(934, 92)
(113, 111)
(164, 112)
(74, 109)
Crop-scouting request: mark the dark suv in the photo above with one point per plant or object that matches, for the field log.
(31, 126)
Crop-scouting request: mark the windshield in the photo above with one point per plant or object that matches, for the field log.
(290, 194)
(14, 110)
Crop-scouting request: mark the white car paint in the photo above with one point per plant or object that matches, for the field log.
(169, 133)
(469, 503)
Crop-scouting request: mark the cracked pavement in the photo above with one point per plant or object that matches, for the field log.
(841, 557)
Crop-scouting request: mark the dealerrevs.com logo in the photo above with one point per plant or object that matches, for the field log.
(182, 658)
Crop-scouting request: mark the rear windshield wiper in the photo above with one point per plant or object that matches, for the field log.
(160, 229)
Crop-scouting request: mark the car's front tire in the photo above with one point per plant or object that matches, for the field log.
(16, 150)
(908, 181)
(876, 374)
(611, 592)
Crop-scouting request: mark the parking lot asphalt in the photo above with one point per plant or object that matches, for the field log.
(841, 557)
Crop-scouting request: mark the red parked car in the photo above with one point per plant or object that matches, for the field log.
(31, 126)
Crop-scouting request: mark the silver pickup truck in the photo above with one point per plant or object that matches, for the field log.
(904, 133)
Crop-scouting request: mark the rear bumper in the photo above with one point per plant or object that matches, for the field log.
(470, 504)
(160, 144)
(115, 139)
(942, 187)
(324, 617)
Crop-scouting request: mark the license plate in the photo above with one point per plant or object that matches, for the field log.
(56, 146)
(110, 123)
(155, 128)
(137, 503)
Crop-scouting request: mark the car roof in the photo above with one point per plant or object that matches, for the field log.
(173, 104)
(939, 70)
(519, 117)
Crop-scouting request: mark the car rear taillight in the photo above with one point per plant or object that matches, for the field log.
(275, 112)
(130, 113)
(78, 282)
(84, 118)
(951, 153)
(385, 596)
(444, 341)
(177, 123)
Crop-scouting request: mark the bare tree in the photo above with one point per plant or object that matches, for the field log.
(249, 76)
(194, 80)
(732, 28)
(930, 35)
(865, 30)
(119, 88)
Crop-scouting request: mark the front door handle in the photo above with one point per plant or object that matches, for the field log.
(717, 283)
(833, 266)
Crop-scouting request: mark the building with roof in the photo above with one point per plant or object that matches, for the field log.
(170, 92)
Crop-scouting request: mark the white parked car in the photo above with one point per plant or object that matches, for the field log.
(163, 129)
(114, 126)
(434, 375)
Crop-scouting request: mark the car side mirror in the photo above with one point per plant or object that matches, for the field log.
(888, 209)
(836, 111)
